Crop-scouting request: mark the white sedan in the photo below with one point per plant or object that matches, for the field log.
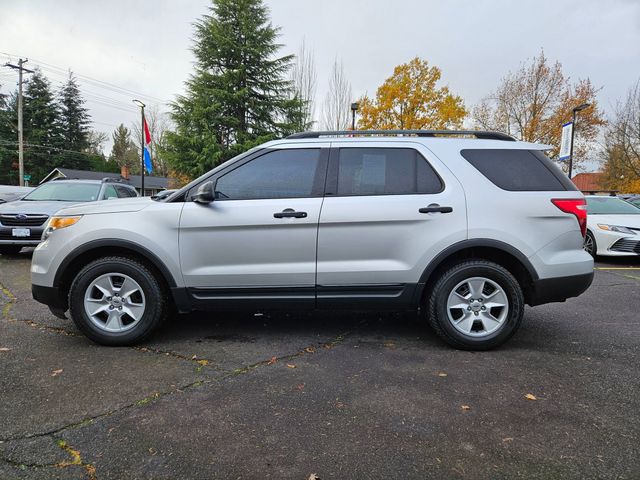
(613, 227)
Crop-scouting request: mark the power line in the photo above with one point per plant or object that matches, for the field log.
(35, 145)
(100, 83)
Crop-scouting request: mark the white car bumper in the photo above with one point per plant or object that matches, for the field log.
(617, 244)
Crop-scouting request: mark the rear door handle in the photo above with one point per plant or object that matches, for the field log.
(435, 208)
(290, 213)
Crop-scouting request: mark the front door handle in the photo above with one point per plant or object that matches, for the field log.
(435, 208)
(290, 213)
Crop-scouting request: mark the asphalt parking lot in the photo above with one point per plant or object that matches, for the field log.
(342, 396)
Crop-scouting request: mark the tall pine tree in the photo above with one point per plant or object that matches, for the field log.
(8, 143)
(123, 151)
(42, 133)
(239, 95)
(74, 125)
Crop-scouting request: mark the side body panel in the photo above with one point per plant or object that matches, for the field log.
(528, 221)
(377, 246)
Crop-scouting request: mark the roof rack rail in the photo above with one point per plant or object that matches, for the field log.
(114, 180)
(407, 133)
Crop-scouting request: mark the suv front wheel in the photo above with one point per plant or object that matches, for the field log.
(476, 305)
(116, 301)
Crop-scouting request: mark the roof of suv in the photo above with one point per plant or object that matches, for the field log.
(468, 138)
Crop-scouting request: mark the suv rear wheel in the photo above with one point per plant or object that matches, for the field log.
(116, 301)
(476, 305)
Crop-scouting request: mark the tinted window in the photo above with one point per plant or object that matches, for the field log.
(610, 206)
(66, 192)
(124, 192)
(519, 170)
(385, 171)
(110, 192)
(277, 174)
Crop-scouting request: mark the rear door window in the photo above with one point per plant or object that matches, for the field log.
(125, 192)
(518, 170)
(385, 171)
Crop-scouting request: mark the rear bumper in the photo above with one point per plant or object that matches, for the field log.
(558, 289)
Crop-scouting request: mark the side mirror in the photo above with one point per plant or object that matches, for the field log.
(205, 193)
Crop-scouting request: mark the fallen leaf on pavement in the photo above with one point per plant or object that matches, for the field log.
(204, 363)
(310, 349)
(300, 386)
(442, 374)
(291, 365)
(55, 373)
(389, 345)
(313, 476)
(272, 360)
(528, 396)
(4, 349)
(507, 439)
(465, 407)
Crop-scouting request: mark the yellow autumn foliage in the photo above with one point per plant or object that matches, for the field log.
(411, 99)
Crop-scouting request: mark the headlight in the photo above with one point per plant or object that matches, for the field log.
(56, 223)
(616, 228)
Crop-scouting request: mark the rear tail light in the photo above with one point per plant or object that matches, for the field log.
(577, 207)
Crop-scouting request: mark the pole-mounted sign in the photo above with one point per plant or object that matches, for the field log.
(565, 143)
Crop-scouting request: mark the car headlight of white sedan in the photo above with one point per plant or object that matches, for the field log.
(616, 228)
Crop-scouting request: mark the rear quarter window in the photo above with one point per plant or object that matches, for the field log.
(519, 170)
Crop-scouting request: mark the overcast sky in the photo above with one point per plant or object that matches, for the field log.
(144, 45)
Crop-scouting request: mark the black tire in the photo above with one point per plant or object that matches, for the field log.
(10, 249)
(155, 308)
(590, 245)
(437, 305)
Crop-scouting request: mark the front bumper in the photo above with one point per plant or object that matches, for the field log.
(616, 244)
(558, 289)
(50, 296)
(7, 238)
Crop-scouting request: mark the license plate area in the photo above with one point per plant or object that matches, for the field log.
(21, 232)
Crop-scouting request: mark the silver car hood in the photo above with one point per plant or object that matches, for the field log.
(109, 206)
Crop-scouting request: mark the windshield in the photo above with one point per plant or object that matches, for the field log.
(65, 192)
(610, 206)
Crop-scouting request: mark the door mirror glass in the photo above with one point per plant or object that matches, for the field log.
(204, 193)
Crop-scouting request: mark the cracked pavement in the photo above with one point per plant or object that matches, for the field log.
(341, 395)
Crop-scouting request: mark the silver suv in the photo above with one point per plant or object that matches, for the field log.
(465, 227)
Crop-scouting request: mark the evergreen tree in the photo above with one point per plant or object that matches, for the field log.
(124, 152)
(42, 133)
(8, 142)
(74, 125)
(239, 95)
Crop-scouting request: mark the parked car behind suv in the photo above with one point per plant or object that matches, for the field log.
(23, 221)
(11, 193)
(466, 227)
(613, 228)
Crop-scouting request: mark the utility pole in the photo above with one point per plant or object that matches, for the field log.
(20, 69)
(142, 169)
